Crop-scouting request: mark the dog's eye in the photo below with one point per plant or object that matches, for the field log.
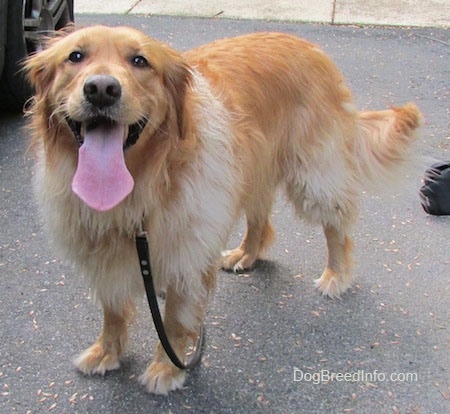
(140, 62)
(76, 57)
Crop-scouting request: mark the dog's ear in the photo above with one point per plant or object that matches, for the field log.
(40, 67)
(177, 78)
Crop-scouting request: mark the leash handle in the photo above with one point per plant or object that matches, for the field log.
(146, 271)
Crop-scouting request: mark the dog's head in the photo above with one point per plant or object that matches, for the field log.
(98, 88)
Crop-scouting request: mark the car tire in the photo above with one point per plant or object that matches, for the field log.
(14, 89)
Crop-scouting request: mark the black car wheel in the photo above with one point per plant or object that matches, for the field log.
(27, 21)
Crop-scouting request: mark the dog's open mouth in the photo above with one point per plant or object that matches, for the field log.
(77, 127)
(102, 179)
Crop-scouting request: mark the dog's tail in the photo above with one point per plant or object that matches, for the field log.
(383, 147)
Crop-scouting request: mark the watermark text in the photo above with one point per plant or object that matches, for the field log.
(325, 376)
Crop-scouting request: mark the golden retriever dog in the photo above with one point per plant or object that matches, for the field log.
(128, 132)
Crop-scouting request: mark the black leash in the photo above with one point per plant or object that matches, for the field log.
(146, 271)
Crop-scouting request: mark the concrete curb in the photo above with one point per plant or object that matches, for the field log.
(426, 13)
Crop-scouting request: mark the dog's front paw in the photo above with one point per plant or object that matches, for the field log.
(162, 377)
(332, 284)
(97, 360)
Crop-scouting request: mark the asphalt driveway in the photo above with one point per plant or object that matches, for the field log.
(273, 345)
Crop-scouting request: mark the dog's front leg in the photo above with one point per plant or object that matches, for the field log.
(105, 354)
(182, 320)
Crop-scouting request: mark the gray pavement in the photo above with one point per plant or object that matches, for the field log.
(272, 341)
(423, 13)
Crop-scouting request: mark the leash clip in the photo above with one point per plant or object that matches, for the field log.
(140, 232)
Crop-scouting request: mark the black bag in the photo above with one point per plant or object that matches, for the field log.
(435, 192)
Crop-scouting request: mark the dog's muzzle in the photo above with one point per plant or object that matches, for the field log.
(102, 93)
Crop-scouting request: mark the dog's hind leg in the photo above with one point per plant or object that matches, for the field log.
(259, 235)
(105, 354)
(326, 197)
(337, 276)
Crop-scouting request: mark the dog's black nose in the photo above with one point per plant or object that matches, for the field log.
(102, 90)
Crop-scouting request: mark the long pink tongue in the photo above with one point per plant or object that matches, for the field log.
(102, 179)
